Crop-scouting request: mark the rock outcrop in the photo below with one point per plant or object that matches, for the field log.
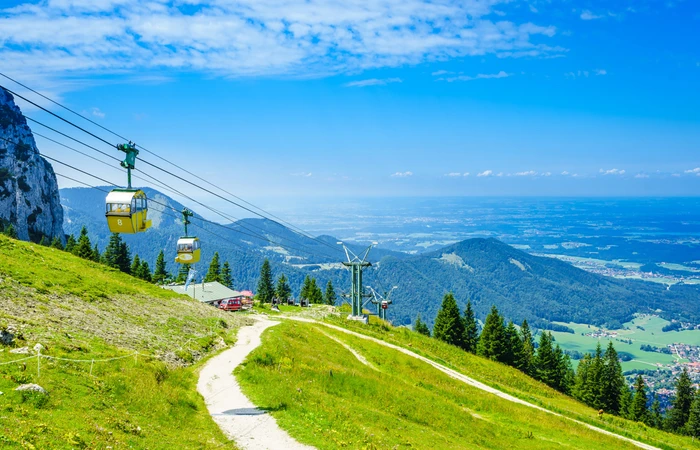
(29, 198)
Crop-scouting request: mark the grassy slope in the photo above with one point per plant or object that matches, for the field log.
(517, 384)
(403, 404)
(82, 310)
(407, 402)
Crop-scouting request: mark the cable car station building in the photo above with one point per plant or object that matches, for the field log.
(211, 293)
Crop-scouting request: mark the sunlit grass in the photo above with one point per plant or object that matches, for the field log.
(324, 396)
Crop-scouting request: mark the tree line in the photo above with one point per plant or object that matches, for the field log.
(281, 292)
(118, 256)
(599, 381)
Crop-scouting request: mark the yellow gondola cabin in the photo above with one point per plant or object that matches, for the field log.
(127, 211)
(188, 251)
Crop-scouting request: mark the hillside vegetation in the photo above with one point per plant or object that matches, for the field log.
(84, 311)
(324, 396)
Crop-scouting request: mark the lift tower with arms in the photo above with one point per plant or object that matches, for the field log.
(357, 293)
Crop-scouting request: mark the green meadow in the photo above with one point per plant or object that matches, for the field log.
(644, 329)
(324, 396)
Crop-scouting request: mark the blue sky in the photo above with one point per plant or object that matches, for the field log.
(288, 99)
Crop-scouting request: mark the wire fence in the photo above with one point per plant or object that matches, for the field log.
(92, 361)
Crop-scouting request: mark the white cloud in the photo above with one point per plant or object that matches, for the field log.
(481, 76)
(402, 174)
(313, 38)
(695, 171)
(546, 174)
(676, 175)
(641, 175)
(612, 172)
(499, 174)
(302, 174)
(565, 173)
(373, 82)
(97, 113)
(466, 174)
(485, 173)
(453, 174)
(601, 72)
(529, 173)
(437, 73)
(588, 15)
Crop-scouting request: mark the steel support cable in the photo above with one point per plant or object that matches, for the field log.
(72, 138)
(156, 182)
(57, 116)
(294, 227)
(231, 218)
(162, 212)
(168, 206)
(150, 200)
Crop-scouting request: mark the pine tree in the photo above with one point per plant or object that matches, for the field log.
(612, 381)
(626, 400)
(492, 342)
(316, 293)
(306, 288)
(124, 258)
(266, 289)
(83, 248)
(135, 265)
(639, 411)
(96, 254)
(581, 386)
(692, 427)
(330, 297)
(70, 243)
(145, 271)
(214, 272)
(56, 243)
(514, 346)
(546, 361)
(449, 326)
(111, 254)
(282, 290)
(471, 329)
(44, 242)
(421, 327)
(226, 277)
(678, 416)
(161, 272)
(11, 232)
(528, 358)
(564, 374)
(595, 374)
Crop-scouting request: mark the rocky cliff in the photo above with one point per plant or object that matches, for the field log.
(29, 197)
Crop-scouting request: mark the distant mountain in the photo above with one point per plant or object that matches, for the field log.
(521, 285)
(487, 271)
(241, 243)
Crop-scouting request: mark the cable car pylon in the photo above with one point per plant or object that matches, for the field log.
(357, 293)
(127, 209)
(381, 301)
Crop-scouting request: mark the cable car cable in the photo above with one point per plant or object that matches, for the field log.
(233, 219)
(298, 229)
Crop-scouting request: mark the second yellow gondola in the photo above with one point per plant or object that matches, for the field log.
(188, 251)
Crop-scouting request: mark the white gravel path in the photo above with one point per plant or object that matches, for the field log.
(238, 418)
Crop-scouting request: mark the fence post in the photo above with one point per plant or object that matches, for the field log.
(92, 363)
